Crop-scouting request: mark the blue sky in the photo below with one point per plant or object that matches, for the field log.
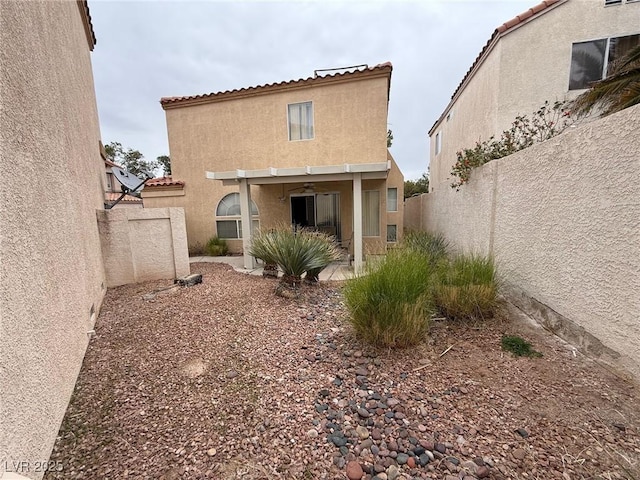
(149, 49)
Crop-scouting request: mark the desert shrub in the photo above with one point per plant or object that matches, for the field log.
(466, 287)
(295, 252)
(391, 305)
(196, 249)
(217, 247)
(518, 346)
(435, 246)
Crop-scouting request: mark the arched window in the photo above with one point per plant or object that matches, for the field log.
(228, 222)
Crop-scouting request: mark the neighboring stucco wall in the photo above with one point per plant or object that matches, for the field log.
(516, 78)
(52, 278)
(562, 219)
(143, 244)
(473, 117)
(350, 125)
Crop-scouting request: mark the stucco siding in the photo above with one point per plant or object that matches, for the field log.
(567, 228)
(143, 244)
(530, 76)
(562, 219)
(472, 118)
(528, 65)
(52, 278)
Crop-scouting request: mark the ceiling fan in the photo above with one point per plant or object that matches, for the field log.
(305, 188)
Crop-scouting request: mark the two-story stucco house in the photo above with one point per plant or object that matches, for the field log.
(309, 152)
(550, 52)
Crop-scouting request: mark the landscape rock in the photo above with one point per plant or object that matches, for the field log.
(354, 471)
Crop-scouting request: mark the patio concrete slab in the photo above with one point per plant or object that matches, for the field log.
(335, 271)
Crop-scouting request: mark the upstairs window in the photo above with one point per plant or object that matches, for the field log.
(591, 61)
(438, 142)
(300, 121)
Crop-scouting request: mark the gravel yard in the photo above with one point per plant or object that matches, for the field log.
(225, 380)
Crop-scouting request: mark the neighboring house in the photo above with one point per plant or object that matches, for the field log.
(52, 278)
(113, 189)
(309, 152)
(550, 52)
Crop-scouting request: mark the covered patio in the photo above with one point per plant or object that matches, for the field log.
(354, 173)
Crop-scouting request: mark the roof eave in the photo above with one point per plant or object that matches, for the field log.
(86, 22)
(383, 70)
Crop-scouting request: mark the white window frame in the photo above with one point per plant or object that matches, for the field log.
(255, 222)
(313, 121)
(438, 142)
(607, 52)
(389, 202)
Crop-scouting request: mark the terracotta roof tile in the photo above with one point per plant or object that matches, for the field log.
(167, 101)
(113, 196)
(88, 26)
(163, 182)
(109, 163)
(505, 27)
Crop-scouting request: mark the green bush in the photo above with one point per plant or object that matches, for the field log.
(466, 287)
(391, 305)
(217, 247)
(518, 346)
(295, 252)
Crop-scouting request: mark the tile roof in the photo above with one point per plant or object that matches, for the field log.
(163, 182)
(86, 20)
(113, 196)
(168, 102)
(109, 163)
(540, 8)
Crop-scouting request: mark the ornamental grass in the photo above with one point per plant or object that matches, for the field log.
(391, 305)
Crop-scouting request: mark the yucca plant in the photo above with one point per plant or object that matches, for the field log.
(326, 248)
(466, 287)
(295, 252)
(391, 305)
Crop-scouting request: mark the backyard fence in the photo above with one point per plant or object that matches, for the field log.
(562, 219)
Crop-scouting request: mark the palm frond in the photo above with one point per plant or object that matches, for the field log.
(616, 92)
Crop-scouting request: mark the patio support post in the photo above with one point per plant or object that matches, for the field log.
(245, 216)
(357, 223)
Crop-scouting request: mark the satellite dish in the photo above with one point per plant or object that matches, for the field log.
(131, 184)
(128, 180)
